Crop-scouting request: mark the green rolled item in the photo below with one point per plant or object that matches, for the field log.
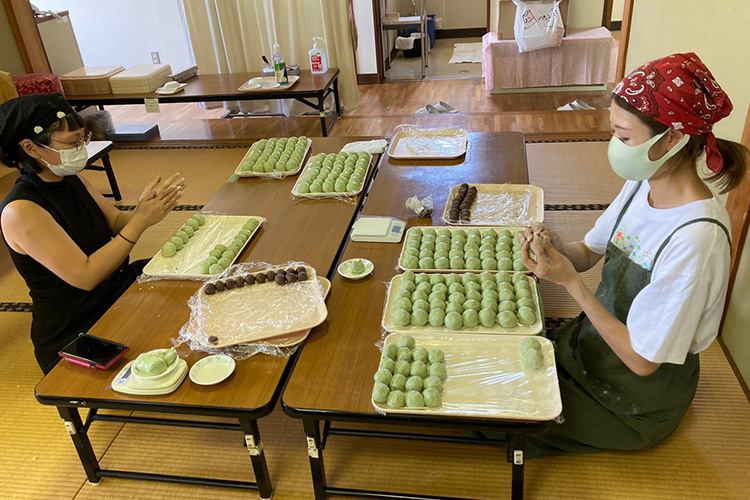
(205, 268)
(396, 399)
(150, 364)
(419, 317)
(406, 341)
(390, 351)
(215, 269)
(438, 370)
(436, 355)
(188, 230)
(177, 242)
(414, 383)
(402, 368)
(507, 319)
(526, 316)
(437, 315)
(398, 382)
(530, 343)
(200, 219)
(418, 369)
(470, 318)
(193, 223)
(414, 399)
(487, 317)
(431, 398)
(402, 317)
(183, 236)
(404, 354)
(433, 382)
(454, 321)
(533, 359)
(383, 376)
(380, 392)
(169, 249)
(408, 276)
(421, 354)
(388, 364)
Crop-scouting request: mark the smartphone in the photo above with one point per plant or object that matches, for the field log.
(94, 352)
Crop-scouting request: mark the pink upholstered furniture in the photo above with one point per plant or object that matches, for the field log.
(586, 57)
(37, 83)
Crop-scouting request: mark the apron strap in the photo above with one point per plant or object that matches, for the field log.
(624, 209)
(701, 219)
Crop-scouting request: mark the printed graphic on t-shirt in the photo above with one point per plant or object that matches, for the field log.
(631, 244)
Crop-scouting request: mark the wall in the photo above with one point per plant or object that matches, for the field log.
(585, 13)
(367, 62)
(125, 32)
(461, 14)
(713, 34)
(618, 6)
(10, 58)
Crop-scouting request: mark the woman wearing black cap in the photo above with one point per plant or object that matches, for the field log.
(70, 245)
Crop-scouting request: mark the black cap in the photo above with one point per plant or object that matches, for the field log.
(27, 116)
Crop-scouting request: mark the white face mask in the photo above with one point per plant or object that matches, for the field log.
(632, 162)
(72, 161)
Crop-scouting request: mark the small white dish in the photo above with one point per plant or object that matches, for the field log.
(171, 90)
(345, 269)
(212, 369)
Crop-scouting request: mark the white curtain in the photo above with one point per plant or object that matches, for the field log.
(230, 36)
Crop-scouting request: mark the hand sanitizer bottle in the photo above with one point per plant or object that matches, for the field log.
(279, 65)
(318, 58)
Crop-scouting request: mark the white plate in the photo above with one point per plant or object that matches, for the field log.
(487, 378)
(430, 144)
(501, 205)
(164, 91)
(345, 269)
(187, 262)
(212, 369)
(275, 174)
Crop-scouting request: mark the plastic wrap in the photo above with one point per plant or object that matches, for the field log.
(501, 205)
(373, 147)
(390, 324)
(334, 179)
(258, 318)
(427, 260)
(486, 377)
(422, 208)
(410, 142)
(186, 263)
(257, 149)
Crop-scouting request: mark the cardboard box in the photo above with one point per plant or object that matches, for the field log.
(507, 18)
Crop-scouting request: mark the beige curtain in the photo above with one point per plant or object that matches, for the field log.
(232, 35)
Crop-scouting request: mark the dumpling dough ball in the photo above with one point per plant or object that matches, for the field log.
(408, 276)
(523, 294)
(182, 235)
(420, 354)
(414, 399)
(437, 304)
(438, 370)
(470, 318)
(398, 382)
(437, 316)
(489, 304)
(433, 382)
(409, 286)
(533, 359)
(530, 343)
(380, 393)
(472, 304)
(418, 369)
(454, 321)
(526, 316)
(406, 341)
(436, 356)
(215, 269)
(201, 219)
(507, 319)
(507, 305)
(431, 398)
(205, 267)
(527, 302)
(383, 376)
(177, 242)
(403, 294)
(517, 277)
(404, 354)
(404, 304)
(419, 304)
(169, 249)
(414, 383)
(388, 364)
(390, 351)
(487, 317)
(396, 399)
(419, 317)
(402, 367)
(436, 278)
(422, 278)
(402, 317)
(411, 262)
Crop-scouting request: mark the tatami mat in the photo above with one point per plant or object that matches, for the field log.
(573, 173)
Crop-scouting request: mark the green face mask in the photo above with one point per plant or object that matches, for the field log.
(632, 162)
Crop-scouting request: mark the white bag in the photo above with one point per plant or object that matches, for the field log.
(538, 24)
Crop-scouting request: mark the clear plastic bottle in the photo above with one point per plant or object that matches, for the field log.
(318, 57)
(279, 65)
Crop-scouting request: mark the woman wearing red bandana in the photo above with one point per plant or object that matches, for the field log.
(628, 365)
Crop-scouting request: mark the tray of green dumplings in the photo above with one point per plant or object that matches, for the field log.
(206, 251)
(333, 175)
(500, 376)
(275, 158)
(484, 303)
(454, 249)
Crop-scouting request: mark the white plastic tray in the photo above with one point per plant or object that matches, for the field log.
(266, 84)
(391, 326)
(256, 312)
(487, 378)
(345, 194)
(431, 144)
(186, 262)
(451, 229)
(126, 382)
(501, 205)
(272, 175)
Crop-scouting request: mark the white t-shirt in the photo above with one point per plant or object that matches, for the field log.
(680, 309)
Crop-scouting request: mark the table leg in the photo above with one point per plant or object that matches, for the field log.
(336, 96)
(257, 457)
(81, 441)
(315, 453)
(322, 111)
(516, 459)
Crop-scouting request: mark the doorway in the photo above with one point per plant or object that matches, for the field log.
(452, 32)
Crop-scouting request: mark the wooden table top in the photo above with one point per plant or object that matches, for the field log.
(148, 315)
(333, 374)
(217, 87)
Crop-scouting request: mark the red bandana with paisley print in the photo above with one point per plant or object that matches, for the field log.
(680, 92)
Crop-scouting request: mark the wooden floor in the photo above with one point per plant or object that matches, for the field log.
(382, 108)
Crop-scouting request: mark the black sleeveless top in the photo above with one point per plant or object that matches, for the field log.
(62, 311)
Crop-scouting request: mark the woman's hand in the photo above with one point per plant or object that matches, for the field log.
(158, 199)
(155, 186)
(548, 263)
(541, 230)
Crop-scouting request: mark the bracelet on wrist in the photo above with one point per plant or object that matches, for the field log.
(124, 238)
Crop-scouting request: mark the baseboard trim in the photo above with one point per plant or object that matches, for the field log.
(461, 33)
(367, 79)
(567, 88)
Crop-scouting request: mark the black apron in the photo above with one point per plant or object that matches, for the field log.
(61, 311)
(605, 405)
